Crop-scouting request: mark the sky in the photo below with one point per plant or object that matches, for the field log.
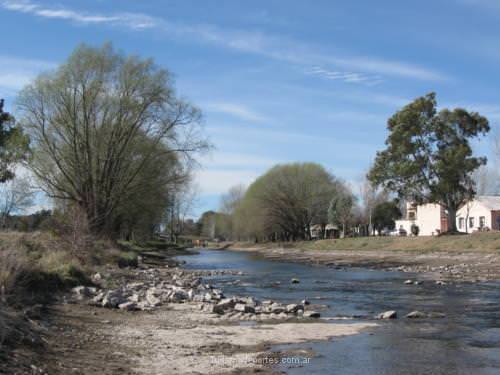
(278, 80)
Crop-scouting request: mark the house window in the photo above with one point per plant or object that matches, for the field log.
(482, 222)
(411, 215)
(471, 222)
(461, 223)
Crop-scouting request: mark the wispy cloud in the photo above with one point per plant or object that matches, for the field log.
(236, 110)
(17, 72)
(484, 4)
(349, 77)
(275, 47)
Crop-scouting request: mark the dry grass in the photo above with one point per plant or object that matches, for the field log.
(481, 242)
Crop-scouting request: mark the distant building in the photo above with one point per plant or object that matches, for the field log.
(480, 214)
(430, 218)
(329, 231)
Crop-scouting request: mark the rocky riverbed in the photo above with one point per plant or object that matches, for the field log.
(158, 320)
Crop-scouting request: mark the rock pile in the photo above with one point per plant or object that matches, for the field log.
(153, 290)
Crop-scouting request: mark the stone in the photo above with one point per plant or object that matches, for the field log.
(277, 308)
(97, 277)
(153, 300)
(436, 315)
(416, 315)
(312, 314)
(128, 306)
(408, 282)
(293, 308)
(391, 314)
(440, 282)
(227, 303)
(295, 281)
(82, 292)
(305, 302)
(112, 298)
(240, 307)
(418, 282)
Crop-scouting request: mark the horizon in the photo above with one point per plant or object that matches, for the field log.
(305, 84)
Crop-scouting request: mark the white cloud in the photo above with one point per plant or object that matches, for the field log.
(237, 110)
(16, 72)
(278, 48)
(348, 77)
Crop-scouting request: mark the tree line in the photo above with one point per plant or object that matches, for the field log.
(428, 159)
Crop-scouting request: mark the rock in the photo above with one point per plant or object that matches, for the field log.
(300, 312)
(293, 308)
(391, 314)
(112, 298)
(97, 277)
(276, 308)
(418, 282)
(134, 298)
(295, 281)
(227, 303)
(240, 307)
(312, 314)
(82, 292)
(98, 298)
(440, 282)
(128, 306)
(153, 300)
(408, 282)
(416, 315)
(305, 302)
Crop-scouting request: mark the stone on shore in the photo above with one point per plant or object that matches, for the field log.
(416, 315)
(311, 314)
(391, 314)
(295, 281)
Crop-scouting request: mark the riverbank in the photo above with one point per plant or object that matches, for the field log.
(470, 258)
(158, 316)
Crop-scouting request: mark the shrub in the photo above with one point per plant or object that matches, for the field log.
(415, 230)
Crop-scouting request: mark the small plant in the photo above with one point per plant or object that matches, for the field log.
(415, 230)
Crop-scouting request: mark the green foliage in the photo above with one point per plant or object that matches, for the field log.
(284, 202)
(428, 156)
(384, 215)
(110, 135)
(14, 144)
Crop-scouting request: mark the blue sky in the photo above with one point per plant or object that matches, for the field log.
(278, 81)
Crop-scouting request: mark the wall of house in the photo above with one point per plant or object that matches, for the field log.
(429, 219)
(475, 210)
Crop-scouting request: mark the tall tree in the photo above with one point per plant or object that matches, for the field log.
(340, 211)
(98, 123)
(428, 158)
(13, 144)
(385, 214)
(286, 201)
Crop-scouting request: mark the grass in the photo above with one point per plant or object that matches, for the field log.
(473, 242)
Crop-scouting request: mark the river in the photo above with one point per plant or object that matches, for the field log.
(466, 341)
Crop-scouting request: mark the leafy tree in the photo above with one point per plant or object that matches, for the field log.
(13, 144)
(286, 201)
(102, 125)
(428, 158)
(341, 209)
(384, 215)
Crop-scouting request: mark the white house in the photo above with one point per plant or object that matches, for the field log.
(482, 213)
(430, 219)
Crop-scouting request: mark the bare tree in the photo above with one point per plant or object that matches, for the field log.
(15, 196)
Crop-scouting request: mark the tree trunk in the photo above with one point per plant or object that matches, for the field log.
(452, 220)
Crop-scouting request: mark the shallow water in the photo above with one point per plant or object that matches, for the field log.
(466, 341)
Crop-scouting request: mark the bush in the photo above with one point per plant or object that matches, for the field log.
(415, 230)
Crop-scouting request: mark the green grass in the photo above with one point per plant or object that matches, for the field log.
(473, 242)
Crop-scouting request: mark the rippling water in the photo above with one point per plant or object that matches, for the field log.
(467, 341)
